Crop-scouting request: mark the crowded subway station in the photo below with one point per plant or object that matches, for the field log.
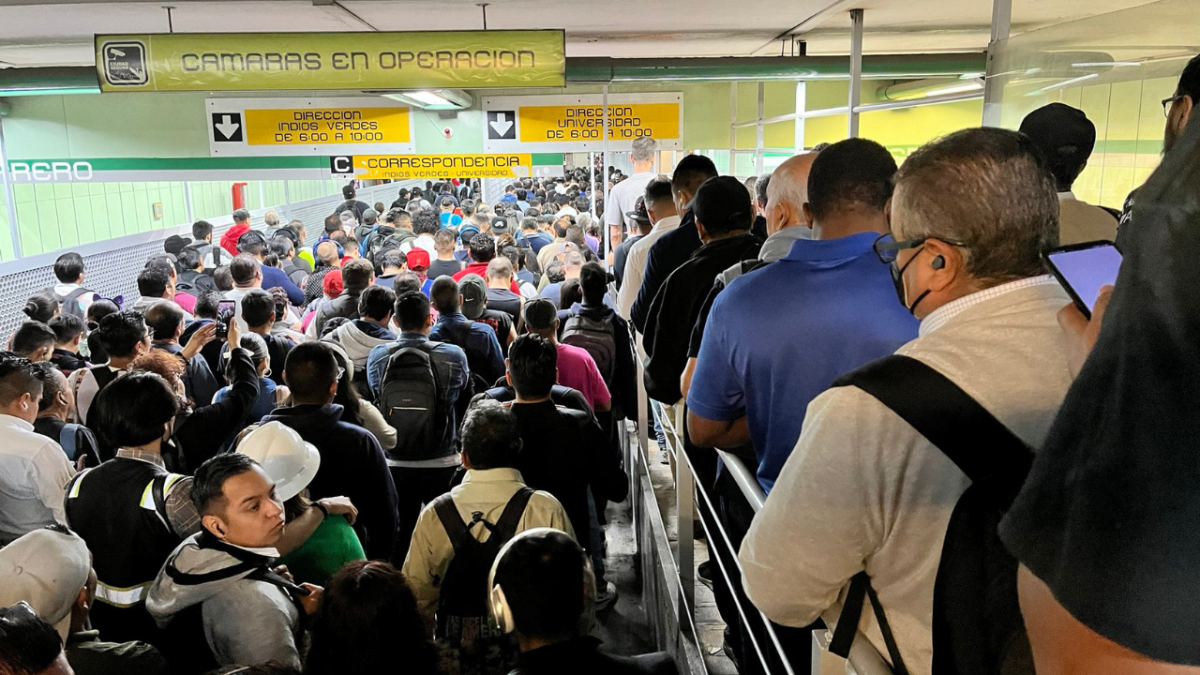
(629, 338)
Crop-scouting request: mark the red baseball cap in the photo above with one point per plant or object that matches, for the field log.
(418, 259)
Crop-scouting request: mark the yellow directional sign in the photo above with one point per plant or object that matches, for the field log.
(249, 127)
(330, 61)
(402, 167)
(334, 125)
(626, 122)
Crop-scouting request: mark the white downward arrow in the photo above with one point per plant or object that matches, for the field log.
(501, 125)
(227, 127)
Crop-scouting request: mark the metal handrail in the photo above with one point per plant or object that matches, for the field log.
(745, 478)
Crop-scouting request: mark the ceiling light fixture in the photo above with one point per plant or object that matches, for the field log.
(955, 89)
(1065, 83)
(435, 99)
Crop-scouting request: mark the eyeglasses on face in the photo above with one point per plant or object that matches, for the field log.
(1168, 102)
(887, 248)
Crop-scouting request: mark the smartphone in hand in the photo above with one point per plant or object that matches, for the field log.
(1083, 269)
(226, 309)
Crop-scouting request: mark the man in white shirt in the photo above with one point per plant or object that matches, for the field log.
(863, 490)
(623, 197)
(33, 468)
(661, 207)
(69, 271)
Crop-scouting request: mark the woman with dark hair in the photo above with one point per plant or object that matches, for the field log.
(203, 431)
(95, 312)
(369, 623)
(42, 306)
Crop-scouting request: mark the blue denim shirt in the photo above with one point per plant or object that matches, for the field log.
(480, 344)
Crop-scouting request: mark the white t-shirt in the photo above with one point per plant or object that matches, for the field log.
(623, 197)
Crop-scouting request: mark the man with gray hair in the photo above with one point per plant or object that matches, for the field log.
(624, 195)
(864, 494)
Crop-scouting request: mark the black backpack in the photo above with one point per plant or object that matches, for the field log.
(597, 338)
(977, 625)
(70, 302)
(463, 599)
(457, 336)
(386, 239)
(410, 398)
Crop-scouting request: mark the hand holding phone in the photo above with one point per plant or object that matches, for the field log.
(1084, 269)
(225, 315)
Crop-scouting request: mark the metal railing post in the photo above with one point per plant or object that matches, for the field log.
(685, 503)
(993, 88)
(856, 50)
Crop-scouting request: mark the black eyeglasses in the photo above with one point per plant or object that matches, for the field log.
(1168, 102)
(887, 248)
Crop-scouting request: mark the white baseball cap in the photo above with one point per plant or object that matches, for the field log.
(46, 569)
(285, 457)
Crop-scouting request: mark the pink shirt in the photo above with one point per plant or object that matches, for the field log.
(577, 370)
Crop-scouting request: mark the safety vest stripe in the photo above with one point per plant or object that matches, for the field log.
(78, 481)
(121, 597)
(171, 481)
(148, 497)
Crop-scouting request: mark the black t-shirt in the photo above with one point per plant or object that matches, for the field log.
(500, 322)
(443, 268)
(504, 300)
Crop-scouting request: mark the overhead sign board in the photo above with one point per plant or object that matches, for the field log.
(316, 126)
(403, 167)
(576, 123)
(331, 61)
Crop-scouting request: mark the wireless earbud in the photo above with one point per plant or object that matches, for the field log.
(938, 263)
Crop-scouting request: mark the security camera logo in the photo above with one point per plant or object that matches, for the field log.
(125, 64)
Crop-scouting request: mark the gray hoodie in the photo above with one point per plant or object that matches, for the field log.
(247, 621)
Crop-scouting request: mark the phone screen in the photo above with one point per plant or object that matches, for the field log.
(226, 310)
(1084, 271)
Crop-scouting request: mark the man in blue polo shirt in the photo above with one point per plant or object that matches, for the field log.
(779, 336)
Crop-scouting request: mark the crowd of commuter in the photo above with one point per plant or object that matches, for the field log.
(394, 442)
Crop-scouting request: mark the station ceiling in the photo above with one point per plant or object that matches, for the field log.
(36, 33)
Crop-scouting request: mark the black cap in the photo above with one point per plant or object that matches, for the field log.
(500, 225)
(348, 191)
(639, 212)
(251, 238)
(540, 313)
(722, 204)
(1060, 131)
(175, 243)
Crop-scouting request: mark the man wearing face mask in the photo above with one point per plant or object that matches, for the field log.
(865, 491)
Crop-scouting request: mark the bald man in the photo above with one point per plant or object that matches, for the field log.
(327, 261)
(787, 193)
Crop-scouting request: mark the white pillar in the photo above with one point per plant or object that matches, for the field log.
(801, 104)
(856, 50)
(758, 131)
(993, 87)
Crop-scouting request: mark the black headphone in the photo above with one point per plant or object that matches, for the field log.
(938, 263)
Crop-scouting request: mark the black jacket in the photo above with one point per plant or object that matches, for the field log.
(352, 465)
(666, 255)
(203, 433)
(344, 305)
(565, 397)
(581, 656)
(676, 308)
(67, 361)
(565, 452)
(623, 384)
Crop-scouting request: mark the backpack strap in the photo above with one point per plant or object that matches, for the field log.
(979, 445)
(455, 528)
(77, 293)
(983, 448)
(66, 439)
(506, 527)
(158, 490)
(847, 623)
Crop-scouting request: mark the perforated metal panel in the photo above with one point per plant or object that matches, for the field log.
(114, 272)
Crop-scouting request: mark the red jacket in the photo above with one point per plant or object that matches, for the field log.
(480, 268)
(229, 240)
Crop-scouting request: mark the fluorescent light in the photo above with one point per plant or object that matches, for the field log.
(1107, 64)
(1067, 83)
(955, 89)
(428, 97)
(971, 76)
(49, 91)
